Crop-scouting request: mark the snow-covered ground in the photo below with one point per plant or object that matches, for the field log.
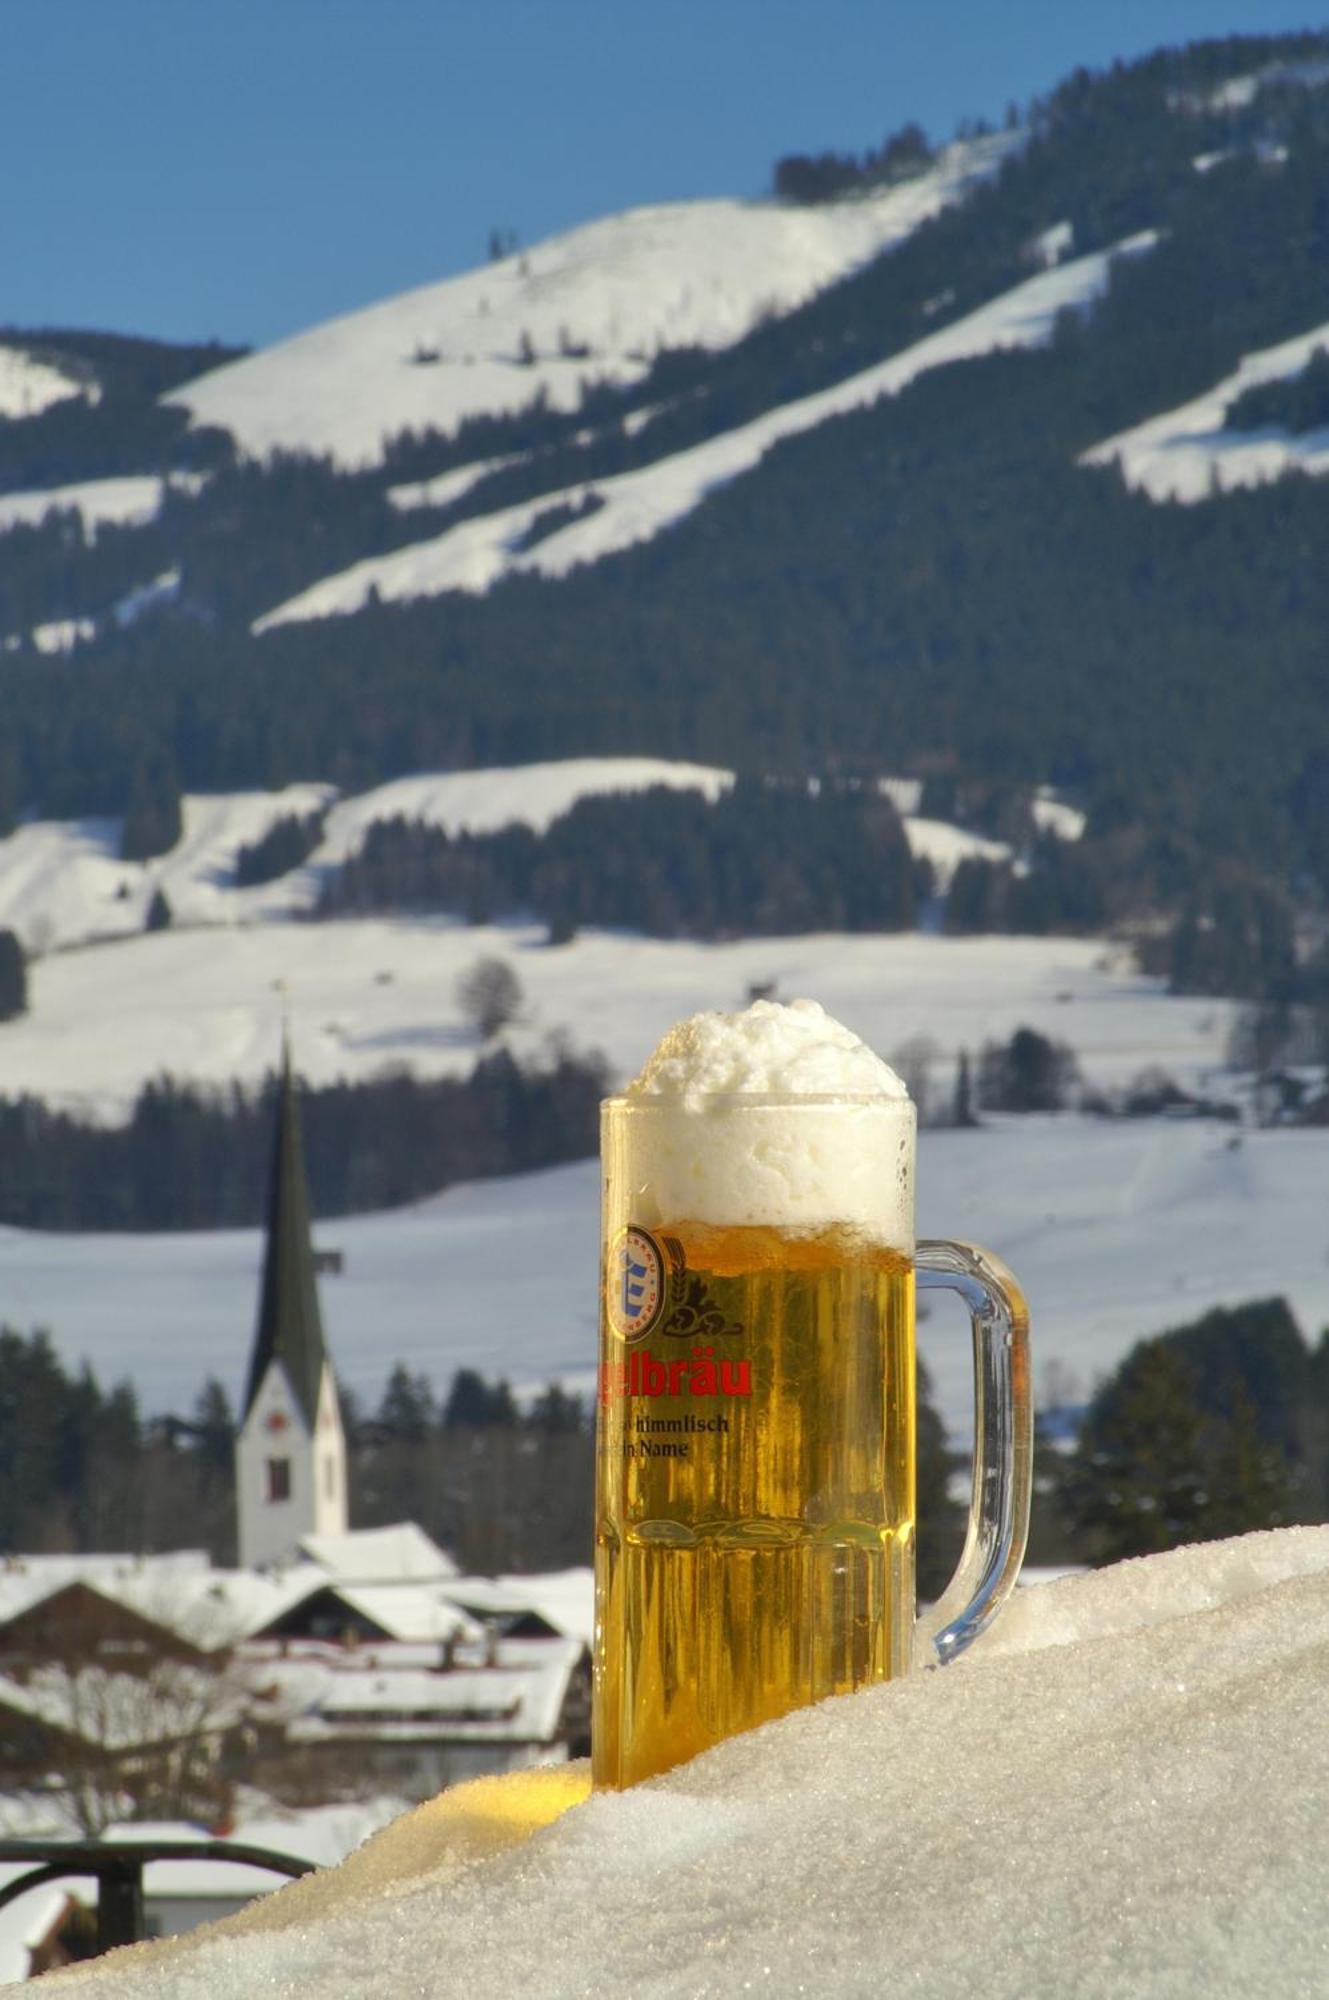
(595, 304)
(634, 506)
(127, 502)
(29, 385)
(1119, 1792)
(63, 883)
(206, 1004)
(1117, 1231)
(1188, 453)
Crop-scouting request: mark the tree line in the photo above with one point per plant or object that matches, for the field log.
(1214, 1428)
(191, 1159)
(764, 858)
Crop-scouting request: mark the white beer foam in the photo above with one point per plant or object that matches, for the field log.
(717, 1134)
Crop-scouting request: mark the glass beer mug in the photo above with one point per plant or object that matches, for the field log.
(755, 1503)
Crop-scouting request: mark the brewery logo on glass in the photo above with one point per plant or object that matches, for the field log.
(635, 1283)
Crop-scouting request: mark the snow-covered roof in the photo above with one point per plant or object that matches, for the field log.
(25, 1922)
(517, 1700)
(380, 1555)
(417, 1613)
(565, 1599)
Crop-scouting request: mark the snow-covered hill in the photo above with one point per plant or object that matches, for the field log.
(62, 883)
(30, 384)
(1189, 453)
(595, 304)
(631, 507)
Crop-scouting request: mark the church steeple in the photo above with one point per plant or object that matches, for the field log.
(290, 1326)
(291, 1451)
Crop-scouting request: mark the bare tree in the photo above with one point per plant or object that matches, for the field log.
(133, 1709)
(489, 995)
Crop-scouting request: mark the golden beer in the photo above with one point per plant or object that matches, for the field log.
(756, 1420)
(755, 1507)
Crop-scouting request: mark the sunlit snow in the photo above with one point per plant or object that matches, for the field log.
(595, 304)
(634, 506)
(1119, 1792)
(29, 385)
(1188, 454)
(63, 883)
(1116, 1230)
(128, 502)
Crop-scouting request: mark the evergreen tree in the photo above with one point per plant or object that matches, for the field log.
(962, 1109)
(941, 1519)
(476, 1404)
(159, 917)
(13, 977)
(9, 791)
(1139, 1480)
(406, 1413)
(1209, 1430)
(153, 820)
(1028, 1073)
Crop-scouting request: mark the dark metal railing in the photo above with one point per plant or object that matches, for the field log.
(118, 1867)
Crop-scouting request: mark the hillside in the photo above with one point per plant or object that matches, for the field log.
(884, 484)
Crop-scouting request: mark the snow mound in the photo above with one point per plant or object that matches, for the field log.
(1054, 1815)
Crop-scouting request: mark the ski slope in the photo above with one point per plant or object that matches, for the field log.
(634, 506)
(594, 304)
(1187, 454)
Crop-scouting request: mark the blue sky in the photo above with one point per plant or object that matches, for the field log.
(244, 168)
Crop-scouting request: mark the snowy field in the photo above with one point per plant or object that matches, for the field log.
(1052, 1817)
(206, 1004)
(1117, 1231)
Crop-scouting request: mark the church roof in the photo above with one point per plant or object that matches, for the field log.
(290, 1328)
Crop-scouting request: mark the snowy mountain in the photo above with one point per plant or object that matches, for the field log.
(832, 482)
(614, 513)
(595, 305)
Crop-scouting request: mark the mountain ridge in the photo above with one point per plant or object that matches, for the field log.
(936, 584)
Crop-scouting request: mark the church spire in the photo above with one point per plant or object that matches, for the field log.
(290, 1451)
(290, 1326)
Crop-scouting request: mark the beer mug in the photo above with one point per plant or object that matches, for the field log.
(755, 1504)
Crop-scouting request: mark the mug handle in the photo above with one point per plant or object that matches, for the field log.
(1003, 1444)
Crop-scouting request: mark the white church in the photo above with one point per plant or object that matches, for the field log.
(290, 1460)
